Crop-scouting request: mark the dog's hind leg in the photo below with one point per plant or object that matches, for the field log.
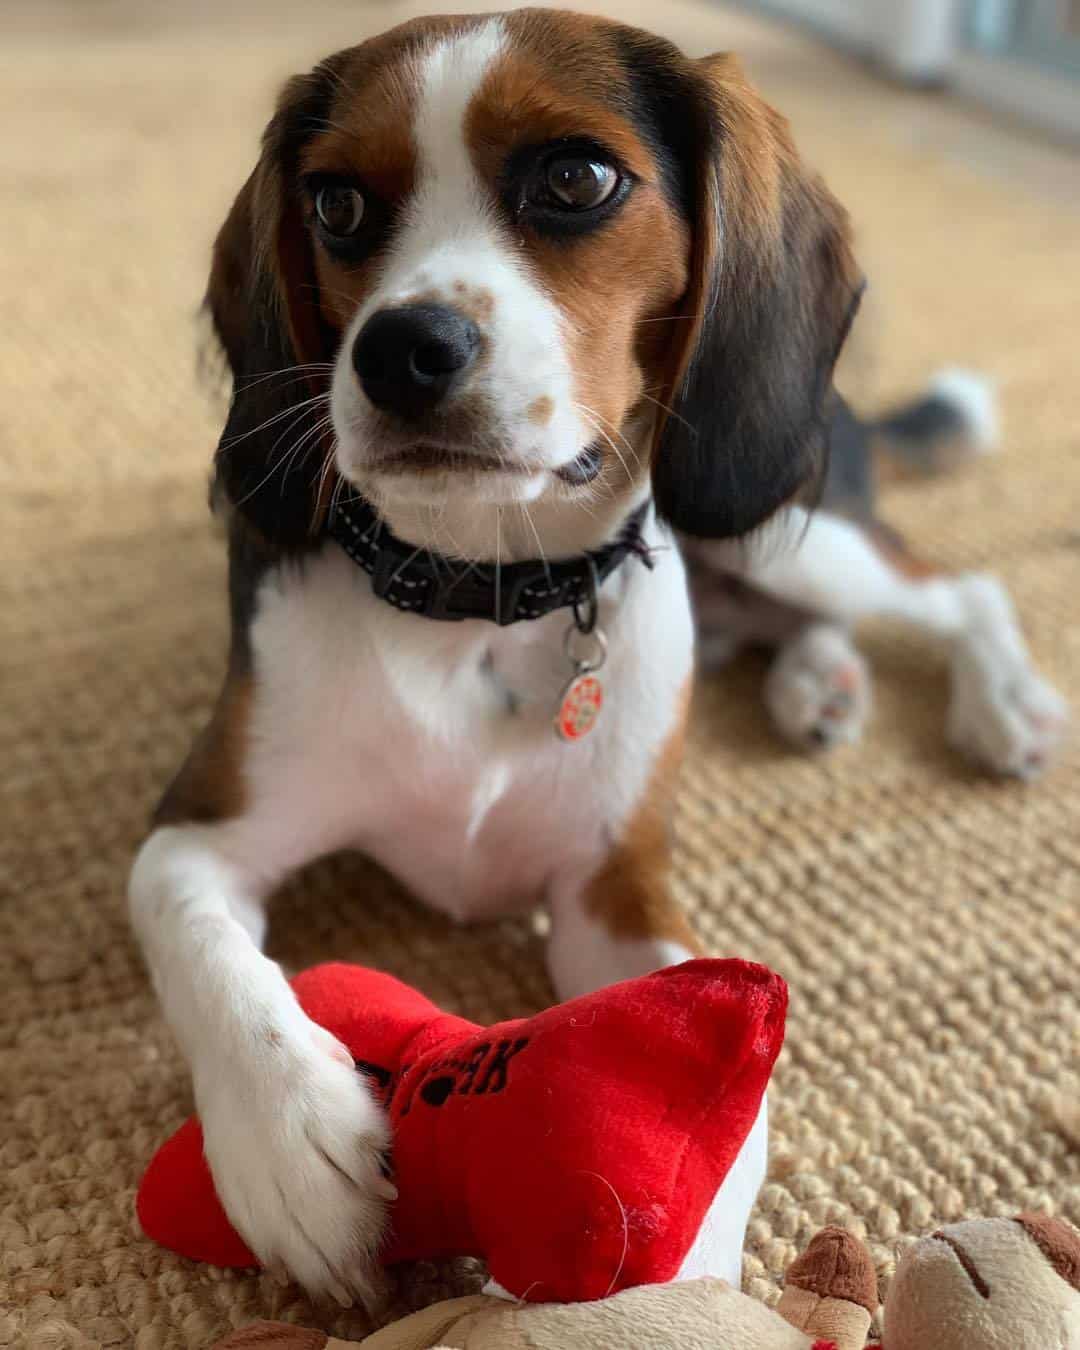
(1002, 713)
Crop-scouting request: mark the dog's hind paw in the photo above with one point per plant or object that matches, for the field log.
(818, 690)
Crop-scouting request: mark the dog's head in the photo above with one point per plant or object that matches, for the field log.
(538, 259)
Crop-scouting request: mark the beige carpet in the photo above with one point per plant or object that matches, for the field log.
(927, 919)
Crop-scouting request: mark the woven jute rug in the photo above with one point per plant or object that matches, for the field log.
(926, 918)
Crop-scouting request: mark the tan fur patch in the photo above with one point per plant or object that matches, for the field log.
(890, 547)
(475, 301)
(540, 410)
(210, 786)
(630, 895)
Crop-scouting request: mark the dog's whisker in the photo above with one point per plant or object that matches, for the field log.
(307, 443)
(589, 413)
(669, 410)
(335, 495)
(331, 125)
(249, 382)
(296, 455)
(284, 459)
(337, 78)
(498, 565)
(592, 412)
(405, 562)
(319, 289)
(294, 409)
(536, 536)
(301, 439)
(672, 318)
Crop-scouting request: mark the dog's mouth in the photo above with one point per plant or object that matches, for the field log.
(430, 456)
(443, 457)
(968, 1266)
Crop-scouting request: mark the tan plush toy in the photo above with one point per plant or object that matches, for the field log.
(988, 1284)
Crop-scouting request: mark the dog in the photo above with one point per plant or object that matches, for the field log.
(506, 302)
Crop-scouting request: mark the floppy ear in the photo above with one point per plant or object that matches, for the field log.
(773, 291)
(263, 301)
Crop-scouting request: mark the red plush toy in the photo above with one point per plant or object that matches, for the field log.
(612, 1141)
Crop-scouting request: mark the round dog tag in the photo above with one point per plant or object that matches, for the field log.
(579, 707)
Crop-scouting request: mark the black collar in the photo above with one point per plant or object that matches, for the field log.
(443, 588)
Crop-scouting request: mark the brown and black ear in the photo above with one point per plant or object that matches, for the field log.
(773, 291)
(263, 301)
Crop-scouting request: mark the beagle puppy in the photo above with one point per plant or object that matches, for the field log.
(506, 300)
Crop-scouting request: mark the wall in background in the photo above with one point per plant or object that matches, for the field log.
(1020, 56)
(914, 38)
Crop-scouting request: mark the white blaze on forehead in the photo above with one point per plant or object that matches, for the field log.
(450, 75)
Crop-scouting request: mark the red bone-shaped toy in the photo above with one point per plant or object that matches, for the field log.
(577, 1151)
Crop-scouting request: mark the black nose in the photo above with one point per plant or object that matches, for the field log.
(409, 358)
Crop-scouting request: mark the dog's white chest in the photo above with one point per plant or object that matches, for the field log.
(431, 746)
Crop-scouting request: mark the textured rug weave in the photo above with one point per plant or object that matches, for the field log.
(927, 919)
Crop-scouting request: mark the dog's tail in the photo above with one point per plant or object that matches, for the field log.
(955, 420)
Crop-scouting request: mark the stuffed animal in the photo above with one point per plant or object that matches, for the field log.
(612, 1141)
(703, 1314)
(988, 1284)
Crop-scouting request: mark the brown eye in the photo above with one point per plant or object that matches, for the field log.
(340, 209)
(580, 183)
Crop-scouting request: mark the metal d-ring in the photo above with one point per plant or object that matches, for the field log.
(586, 622)
(584, 665)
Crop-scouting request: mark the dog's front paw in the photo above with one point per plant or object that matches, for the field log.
(818, 690)
(297, 1149)
(1003, 714)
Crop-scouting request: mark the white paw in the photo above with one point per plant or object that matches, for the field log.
(1003, 714)
(296, 1146)
(818, 689)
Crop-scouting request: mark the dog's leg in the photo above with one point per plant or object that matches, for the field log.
(293, 1138)
(1002, 713)
(730, 614)
(623, 922)
(619, 923)
(615, 917)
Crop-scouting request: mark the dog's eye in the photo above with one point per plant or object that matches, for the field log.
(579, 182)
(340, 209)
(563, 189)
